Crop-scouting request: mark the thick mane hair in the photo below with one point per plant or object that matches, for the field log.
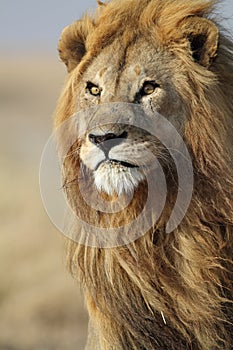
(164, 291)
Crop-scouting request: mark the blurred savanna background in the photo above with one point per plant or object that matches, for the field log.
(41, 307)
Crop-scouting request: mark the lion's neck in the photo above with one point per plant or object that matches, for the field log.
(150, 295)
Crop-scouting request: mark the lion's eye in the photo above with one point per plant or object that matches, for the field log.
(149, 87)
(93, 89)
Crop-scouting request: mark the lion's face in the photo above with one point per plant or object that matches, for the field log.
(115, 153)
(155, 66)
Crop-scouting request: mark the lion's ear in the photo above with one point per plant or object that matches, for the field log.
(203, 36)
(71, 46)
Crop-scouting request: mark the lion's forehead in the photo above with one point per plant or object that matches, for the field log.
(128, 68)
(121, 72)
(126, 82)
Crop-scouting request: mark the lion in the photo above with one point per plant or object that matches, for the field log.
(160, 291)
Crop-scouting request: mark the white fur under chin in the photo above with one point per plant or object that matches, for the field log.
(117, 179)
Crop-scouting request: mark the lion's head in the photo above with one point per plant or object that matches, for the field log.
(166, 57)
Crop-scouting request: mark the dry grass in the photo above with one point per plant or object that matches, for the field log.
(40, 307)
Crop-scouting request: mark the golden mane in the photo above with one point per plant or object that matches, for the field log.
(165, 291)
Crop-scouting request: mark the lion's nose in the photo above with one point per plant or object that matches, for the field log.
(107, 141)
(98, 139)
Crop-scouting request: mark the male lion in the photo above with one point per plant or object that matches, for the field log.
(162, 290)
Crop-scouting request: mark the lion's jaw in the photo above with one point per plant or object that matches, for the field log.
(113, 177)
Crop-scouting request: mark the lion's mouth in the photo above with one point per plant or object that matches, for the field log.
(115, 162)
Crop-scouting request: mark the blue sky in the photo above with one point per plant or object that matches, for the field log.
(32, 25)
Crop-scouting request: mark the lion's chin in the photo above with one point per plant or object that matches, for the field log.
(113, 178)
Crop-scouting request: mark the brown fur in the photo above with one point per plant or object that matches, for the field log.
(186, 276)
